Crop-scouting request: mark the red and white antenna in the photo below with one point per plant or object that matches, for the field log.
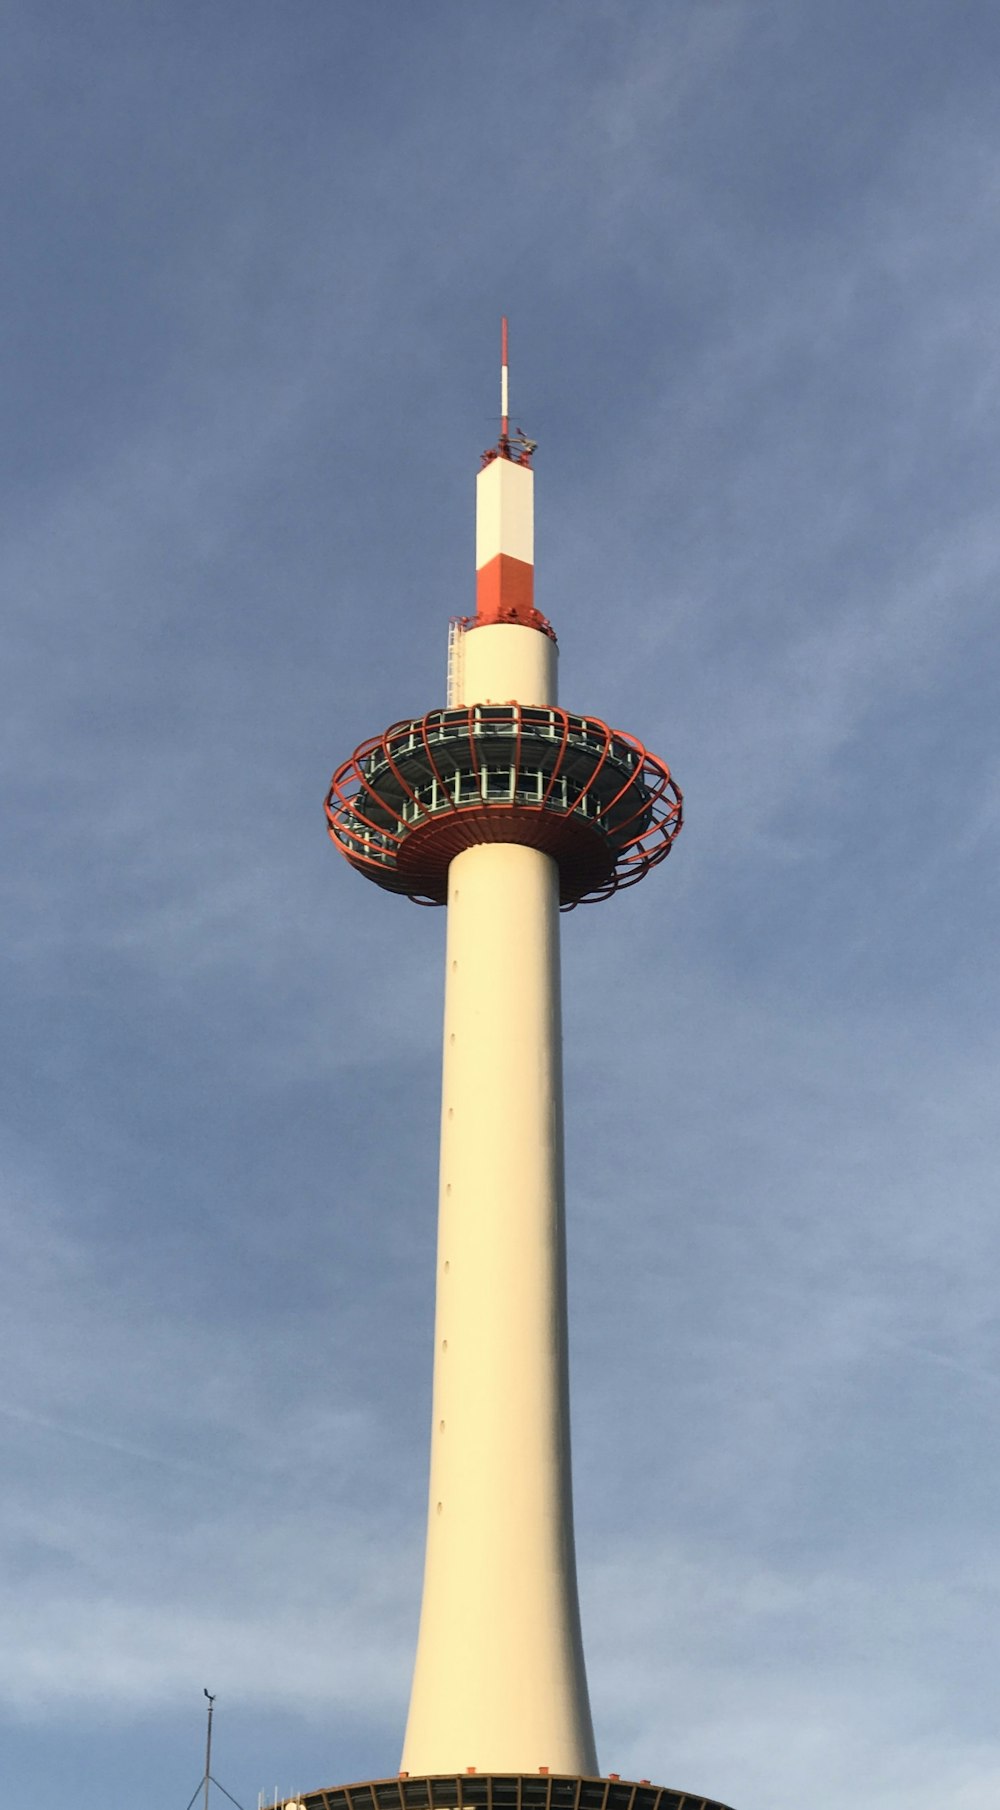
(504, 412)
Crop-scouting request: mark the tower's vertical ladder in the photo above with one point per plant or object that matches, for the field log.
(456, 661)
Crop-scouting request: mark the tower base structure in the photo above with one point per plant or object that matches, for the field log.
(503, 1791)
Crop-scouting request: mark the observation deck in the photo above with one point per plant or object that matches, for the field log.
(503, 1791)
(408, 801)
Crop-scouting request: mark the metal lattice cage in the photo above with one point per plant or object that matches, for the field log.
(408, 801)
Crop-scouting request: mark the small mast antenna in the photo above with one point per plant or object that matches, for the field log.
(504, 414)
(203, 1785)
(208, 1745)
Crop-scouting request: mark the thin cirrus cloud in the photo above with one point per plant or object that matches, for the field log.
(750, 262)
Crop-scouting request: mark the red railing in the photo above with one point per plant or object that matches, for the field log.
(372, 830)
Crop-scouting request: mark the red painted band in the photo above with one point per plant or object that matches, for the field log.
(505, 591)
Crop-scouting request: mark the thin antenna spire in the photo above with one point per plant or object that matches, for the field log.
(208, 1745)
(208, 1780)
(504, 413)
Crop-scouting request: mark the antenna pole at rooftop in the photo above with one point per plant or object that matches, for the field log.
(208, 1745)
(504, 409)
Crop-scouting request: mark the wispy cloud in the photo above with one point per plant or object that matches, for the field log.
(750, 259)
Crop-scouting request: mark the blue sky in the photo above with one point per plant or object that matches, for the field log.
(254, 263)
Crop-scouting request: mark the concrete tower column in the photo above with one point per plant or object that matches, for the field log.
(503, 806)
(499, 1682)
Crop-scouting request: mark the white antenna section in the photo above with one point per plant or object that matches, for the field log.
(456, 662)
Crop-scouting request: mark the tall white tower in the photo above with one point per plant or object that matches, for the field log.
(500, 1523)
(505, 807)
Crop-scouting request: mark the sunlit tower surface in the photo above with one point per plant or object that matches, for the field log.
(506, 808)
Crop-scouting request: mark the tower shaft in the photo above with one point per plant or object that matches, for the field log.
(505, 807)
(499, 1682)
